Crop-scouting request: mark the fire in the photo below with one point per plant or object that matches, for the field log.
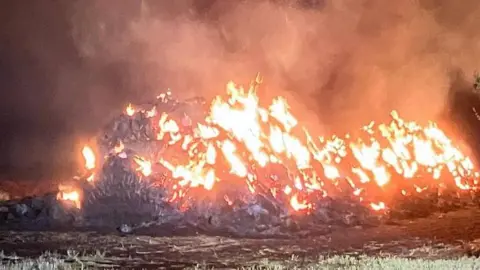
(246, 136)
(89, 157)
(130, 111)
(68, 193)
(378, 206)
(145, 166)
(241, 138)
(296, 205)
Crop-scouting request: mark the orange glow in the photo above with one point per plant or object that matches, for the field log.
(296, 205)
(262, 136)
(239, 137)
(145, 166)
(89, 157)
(67, 193)
(130, 111)
(378, 206)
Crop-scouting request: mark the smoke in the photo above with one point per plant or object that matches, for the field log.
(340, 63)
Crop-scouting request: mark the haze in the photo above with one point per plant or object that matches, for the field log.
(65, 66)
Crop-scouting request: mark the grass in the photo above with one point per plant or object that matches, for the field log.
(74, 260)
(48, 260)
(390, 263)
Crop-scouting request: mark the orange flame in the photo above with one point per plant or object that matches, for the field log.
(260, 136)
(130, 111)
(145, 166)
(378, 206)
(67, 193)
(89, 157)
(243, 136)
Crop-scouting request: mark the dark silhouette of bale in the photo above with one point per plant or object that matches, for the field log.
(120, 195)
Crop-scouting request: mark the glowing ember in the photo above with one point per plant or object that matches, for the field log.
(378, 206)
(67, 193)
(240, 137)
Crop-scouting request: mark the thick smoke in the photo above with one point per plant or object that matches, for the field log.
(340, 63)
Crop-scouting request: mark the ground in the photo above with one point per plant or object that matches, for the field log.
(440, 236)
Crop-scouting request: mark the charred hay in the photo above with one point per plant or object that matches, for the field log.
(121, 196)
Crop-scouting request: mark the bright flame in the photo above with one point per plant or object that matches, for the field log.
(130, 111)
(378, 206)
(145, 166)
(89, 157)
(241, 137)
(67, 193)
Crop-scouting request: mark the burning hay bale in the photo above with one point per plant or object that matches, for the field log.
(241, 169)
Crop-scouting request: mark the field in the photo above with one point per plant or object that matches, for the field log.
(442, 241)
(52, 261)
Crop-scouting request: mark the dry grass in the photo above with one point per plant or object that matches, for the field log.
(367, 263)
(74, 260)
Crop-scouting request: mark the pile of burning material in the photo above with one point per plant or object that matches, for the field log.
(238, 165)
(139, 197)
(135, 130)
(238, 168)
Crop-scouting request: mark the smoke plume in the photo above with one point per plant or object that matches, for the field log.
(340, 63)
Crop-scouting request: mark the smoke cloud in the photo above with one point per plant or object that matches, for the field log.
(340, 63)
(345, 61)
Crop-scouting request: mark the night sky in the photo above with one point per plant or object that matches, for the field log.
(44, 108)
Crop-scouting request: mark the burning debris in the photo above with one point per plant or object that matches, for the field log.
(243, 169)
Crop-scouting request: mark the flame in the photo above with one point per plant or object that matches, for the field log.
(145, 166)
(260, 136)
(130, 111)
(89, 157)
(241, 137)
(378, 206)
(68, 193)
(296, 205)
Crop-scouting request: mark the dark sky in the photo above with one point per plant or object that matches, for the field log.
(54, 96)
(40, 123)
(30, 123)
